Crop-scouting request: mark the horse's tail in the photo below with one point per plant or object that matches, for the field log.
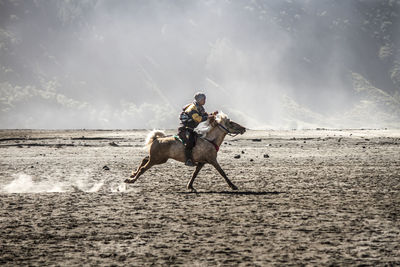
(153, 135)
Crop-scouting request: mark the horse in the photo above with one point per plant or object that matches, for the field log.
(162, 147)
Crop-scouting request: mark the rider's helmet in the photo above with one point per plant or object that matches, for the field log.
(199, 96)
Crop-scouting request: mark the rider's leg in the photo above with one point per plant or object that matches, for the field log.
(188, 156)
(189, 146)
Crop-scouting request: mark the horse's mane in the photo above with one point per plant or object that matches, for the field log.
(204, 127)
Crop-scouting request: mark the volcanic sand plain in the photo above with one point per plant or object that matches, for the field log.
(317, 197)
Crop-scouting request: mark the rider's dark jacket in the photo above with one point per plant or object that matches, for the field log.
(195, 114)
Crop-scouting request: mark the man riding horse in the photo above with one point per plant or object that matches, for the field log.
(162, 147)
(190, 117)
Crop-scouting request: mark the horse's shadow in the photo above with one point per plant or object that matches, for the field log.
(254, 193)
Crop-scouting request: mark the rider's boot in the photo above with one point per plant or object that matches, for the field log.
(188, 155)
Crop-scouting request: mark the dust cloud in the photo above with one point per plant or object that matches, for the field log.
(134, 64)
(24, 183)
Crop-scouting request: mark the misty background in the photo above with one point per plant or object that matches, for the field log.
(134, 64)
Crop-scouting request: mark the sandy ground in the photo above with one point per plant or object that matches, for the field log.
(314, 197)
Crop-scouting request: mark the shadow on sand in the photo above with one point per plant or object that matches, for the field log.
(255, 193)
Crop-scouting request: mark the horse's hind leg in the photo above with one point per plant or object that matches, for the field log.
(144, 161)
(148, 165)
(190, 184)
(141, 170)
(221, 171)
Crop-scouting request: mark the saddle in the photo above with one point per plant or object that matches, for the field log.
(183, 137)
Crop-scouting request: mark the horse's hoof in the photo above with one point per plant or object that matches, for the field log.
(129, 181)
(189, 187)
(234, 187)
(192, 190)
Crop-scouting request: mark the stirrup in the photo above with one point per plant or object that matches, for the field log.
(189, 162)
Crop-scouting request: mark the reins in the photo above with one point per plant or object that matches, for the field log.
(214, 144)
(227, 131)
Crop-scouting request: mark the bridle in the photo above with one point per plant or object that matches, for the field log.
(227, 130)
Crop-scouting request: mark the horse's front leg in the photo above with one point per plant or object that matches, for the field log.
(221, 171)
(190, 184)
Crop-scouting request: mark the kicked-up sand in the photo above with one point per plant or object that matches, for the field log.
(317, 197)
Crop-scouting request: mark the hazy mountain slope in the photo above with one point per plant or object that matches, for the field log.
(134, 64)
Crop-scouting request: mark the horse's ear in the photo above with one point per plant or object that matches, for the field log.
(211, 119)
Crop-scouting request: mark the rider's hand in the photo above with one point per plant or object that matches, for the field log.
(215, 112)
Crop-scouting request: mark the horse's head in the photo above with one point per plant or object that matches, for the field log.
(231, 126)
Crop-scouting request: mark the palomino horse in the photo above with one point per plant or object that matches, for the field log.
(163, 148)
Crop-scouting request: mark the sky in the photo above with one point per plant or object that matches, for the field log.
(134, 64)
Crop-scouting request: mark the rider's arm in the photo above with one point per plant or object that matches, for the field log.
(195, 115)
(197, 118)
